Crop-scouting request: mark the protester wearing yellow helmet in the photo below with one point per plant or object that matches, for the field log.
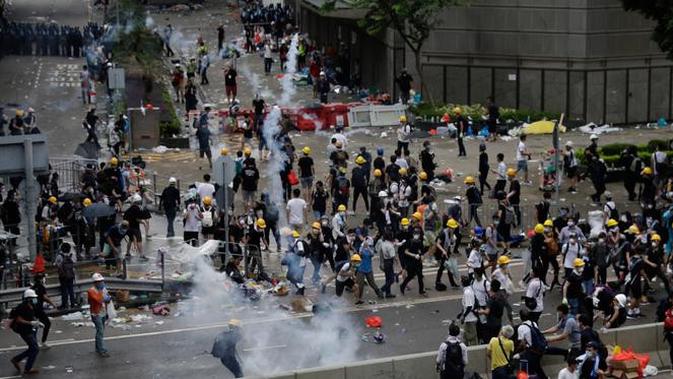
(403, 136)
(306, 174)
(474, 200)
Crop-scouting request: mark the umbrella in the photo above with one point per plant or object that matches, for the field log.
(75, 197)
(98, 210)
(87, 150)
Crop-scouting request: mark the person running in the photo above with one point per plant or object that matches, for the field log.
(224, 347)
(306, 173)
(41, 291)
(414, 251)
(24, 323)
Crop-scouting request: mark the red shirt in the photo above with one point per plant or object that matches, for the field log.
(95, 300)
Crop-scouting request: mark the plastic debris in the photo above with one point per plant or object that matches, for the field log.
(72, 316)
(374, 322)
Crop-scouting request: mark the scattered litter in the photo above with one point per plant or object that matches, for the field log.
(374, 322)
(159, 149)
(58, 331)
(68, 369)
(409, 306)
(592, 128)
(161, 310)
(159, 322)
(375, 310)
(72, 316)
(50, 367)
(376, 337)
(139, 318)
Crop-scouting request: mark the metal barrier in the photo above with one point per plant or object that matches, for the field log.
(69, 170)
(376, 115)
(249, 255)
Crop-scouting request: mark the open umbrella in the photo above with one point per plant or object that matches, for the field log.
(98, 210)
(75, 197)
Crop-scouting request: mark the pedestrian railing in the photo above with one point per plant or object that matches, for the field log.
(69, 170)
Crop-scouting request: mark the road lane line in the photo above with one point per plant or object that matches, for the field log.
(257, 348)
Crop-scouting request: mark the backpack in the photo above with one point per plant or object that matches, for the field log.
(207, 220)
(13, 314)
(66, 269)
(614, 214)
(509, 215)
(538, 341)
(342, 186)
(359, 179)
(453, 357)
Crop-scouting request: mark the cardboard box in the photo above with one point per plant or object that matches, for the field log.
(627, 366)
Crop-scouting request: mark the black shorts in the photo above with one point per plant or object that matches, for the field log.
(134, 234)
(341, 285)
(571, 172)
(205, 152)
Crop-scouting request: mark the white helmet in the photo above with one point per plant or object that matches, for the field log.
(29, 293)
(383, 194)
(621, 299)
(97, 277)
(136, 198)
(172, 180)
(593, 137)
(569, 143)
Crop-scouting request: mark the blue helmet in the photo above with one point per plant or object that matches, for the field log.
(379, 151)
(478, 231)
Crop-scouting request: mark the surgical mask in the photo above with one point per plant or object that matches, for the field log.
(579, 270)
(590, 354)
(571, 223)
(33, 300)
(601, 240)
(654, 244)
(417, 236)
(100, 286)
(324, 223)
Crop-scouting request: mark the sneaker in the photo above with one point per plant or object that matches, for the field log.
(16, 365)
(359, 302)
(390, 296)
(144, 258)
(104, 354)
(44, 346)
(631, 316)
(32, 371)
(424, 294)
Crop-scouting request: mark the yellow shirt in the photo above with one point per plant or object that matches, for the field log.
(497, 356)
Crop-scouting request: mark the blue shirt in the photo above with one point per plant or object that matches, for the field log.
(366, 254)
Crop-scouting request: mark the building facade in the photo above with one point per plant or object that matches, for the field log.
(587, 58)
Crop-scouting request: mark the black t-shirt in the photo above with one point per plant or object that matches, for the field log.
(483, 163)
(133, 215)
(255, 237)
(496, 306)
(26, 312)
(515, 186)
(41, 292)
(305, 164)
(320, 201)
(342, 253)
(574, 286)
(258, 104)
(230, 78)
(170, 198)
(249, 178)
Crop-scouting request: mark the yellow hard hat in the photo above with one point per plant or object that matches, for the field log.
(612, 223)
(356, 258)
(224, 151)
(402, 171)
(341, 208)
(306, 150)
(503, 260)
(114, 161)
(87, 202)
(404, 222)
(578, 262)
(19, 112)
(261, 223)
(403, 118)
(417, 215)
(453, 224)
(656, 237)
(207, 200)
(52, 199)
(295, 234)
(234, 322)
(469, 180)
(423, 175)
(247, 152)
(511, 172)
(316, 225)
(633, 229)
(548, 223)
(646, 171)
(360, 160)
(457, 110)
(539, 228)
(377, 173)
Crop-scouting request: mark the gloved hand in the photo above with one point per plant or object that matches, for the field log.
(565, 301)
(107, 297)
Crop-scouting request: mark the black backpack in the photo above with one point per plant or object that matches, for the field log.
(342, 186)
(67, 268)
(453, 357)
(538, 341)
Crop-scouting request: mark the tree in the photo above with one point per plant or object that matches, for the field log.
(661, 12)
(412, 19)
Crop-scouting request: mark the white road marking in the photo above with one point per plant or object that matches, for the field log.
(257, 348)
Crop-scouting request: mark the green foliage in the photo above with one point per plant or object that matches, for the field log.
(169, 128)
(661, 12)
(476, 111)
(652, 145)
(614, 148)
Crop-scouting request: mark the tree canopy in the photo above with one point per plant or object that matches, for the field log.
(660, 11)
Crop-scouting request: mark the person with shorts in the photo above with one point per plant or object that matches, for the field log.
(133, 216)
(249, 181)
(113, 244)
(522, 157)
(203, 135)
(230, 83)
(306, 173)
(570, 164)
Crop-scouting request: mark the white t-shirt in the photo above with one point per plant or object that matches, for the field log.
(520, 150)
(502, 171)
(474, 260)
(340, 138)
(295, 208)
(468, 301)
(402, 163)
(523, 332)
(205, 189)
(536, 291)
(566, 374)
(571, 252)
(480, 289)
(343, 274)
(505, 283)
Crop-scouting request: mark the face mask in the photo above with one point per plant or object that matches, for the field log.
(100, 286)
(590, 354)
(579, 271)
(123, 230)
(342, 214)
(654, 245)
(571, 224)
(43, 280)
(601, 240)
(417, 236)
(324, 223)
(33, 300)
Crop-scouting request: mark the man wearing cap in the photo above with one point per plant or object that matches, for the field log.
(224, 347)
(99, 297)
(25, 324)
(170, 203)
